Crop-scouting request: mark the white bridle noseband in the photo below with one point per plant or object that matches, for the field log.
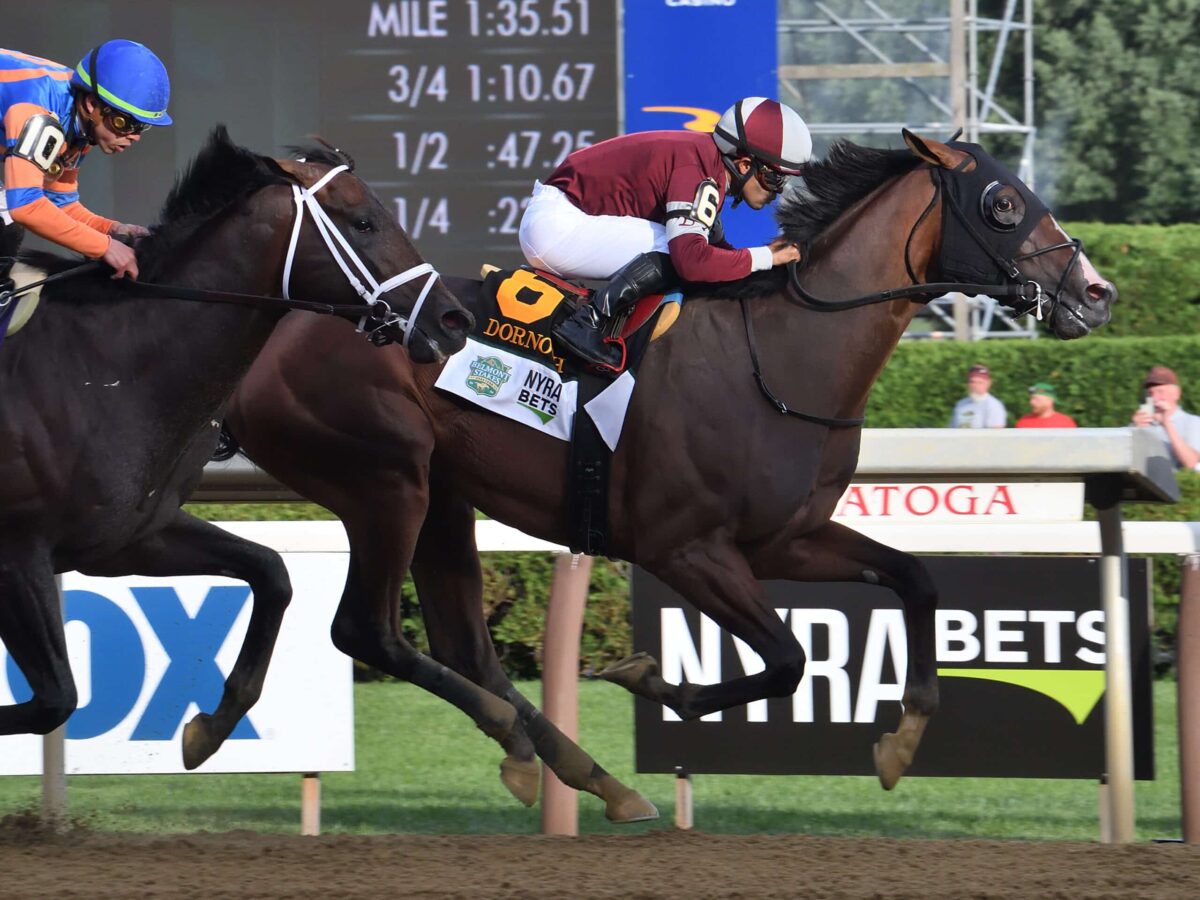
(378, 309)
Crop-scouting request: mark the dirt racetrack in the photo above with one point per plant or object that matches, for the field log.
(241, 865)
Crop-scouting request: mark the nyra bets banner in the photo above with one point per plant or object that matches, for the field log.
(1020, 650)
(149, 653)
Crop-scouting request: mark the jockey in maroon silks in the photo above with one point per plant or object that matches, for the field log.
(643, 211)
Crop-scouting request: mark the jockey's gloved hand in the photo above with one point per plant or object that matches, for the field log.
(127, 230)
(122, 259)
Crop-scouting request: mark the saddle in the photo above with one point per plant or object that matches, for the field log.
(522, 306)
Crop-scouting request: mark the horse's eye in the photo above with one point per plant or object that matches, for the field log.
(1002, 207)
(362, 225)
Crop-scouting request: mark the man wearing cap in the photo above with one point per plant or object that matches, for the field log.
(1042, 413)
(979, 409)
(1179, 430)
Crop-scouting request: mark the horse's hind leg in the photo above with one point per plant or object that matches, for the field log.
(189, 546)
(837, 553)
(450, 586)
(31, 627)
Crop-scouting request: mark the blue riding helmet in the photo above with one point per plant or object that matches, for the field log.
(127, 76)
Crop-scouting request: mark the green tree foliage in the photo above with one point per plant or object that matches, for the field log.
(1156, 269)
(1118, 107)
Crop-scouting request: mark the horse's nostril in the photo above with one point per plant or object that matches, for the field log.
(458, 320)
(1102, 291)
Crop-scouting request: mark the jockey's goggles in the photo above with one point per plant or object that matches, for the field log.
(771, 179)
(121, 123)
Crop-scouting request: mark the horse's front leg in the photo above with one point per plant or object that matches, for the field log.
(31, 627)
(449, 582)
(190, 546)
(836, 553)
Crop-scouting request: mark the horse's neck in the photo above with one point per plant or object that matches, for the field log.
(863, 253)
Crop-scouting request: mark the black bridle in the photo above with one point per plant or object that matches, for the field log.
(1029, 294)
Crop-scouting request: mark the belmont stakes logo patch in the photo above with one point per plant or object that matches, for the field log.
(487, 375)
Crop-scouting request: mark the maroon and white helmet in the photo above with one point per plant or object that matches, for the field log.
(766, 130)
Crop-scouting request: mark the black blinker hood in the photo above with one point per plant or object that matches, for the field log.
(986, 255)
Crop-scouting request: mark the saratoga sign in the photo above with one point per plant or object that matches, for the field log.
(961, 502)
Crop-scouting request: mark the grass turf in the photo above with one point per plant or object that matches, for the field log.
(422, 767)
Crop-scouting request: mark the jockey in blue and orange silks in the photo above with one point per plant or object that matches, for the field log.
(51, 117)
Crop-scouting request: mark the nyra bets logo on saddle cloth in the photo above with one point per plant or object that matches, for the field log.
(488, 375)
(520, 389)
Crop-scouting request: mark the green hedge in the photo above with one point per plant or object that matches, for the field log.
(1156, 269)
(1098, 382)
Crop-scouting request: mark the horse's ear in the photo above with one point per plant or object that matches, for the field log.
(933, 152)
(287, 169)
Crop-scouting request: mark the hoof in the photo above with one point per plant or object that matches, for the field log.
(631, 671)
(623, 804)
(522, 777)
(891, 760)
(631, 807)
(199, 742)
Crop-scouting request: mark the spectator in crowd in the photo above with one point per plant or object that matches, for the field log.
(1041, 409)
(979, 409)
(1160, 411)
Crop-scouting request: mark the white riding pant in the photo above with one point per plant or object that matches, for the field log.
(5, 218)
(559, 237)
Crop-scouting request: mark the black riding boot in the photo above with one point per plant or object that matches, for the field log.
(583, 332)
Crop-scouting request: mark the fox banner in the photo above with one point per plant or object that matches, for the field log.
(1020, 655)
(147, 654)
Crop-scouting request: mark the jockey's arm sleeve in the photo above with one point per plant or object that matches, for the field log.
(693, 209)
(64, 194)
(28, 205)
(695, 259)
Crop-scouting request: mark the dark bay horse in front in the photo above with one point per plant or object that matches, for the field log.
(712, 489)
(110, 401)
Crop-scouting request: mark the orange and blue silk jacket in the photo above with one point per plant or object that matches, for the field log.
(44, 144)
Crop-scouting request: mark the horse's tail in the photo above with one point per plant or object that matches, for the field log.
(227, 445)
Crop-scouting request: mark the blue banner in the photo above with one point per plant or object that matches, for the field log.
(687, 61)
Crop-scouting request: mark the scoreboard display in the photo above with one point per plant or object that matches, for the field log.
(452, 109)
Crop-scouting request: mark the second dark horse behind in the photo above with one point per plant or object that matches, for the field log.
(110, 398)
(712, 489)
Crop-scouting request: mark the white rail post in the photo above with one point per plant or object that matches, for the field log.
(310, 804)
(560, 681)
(54, 760)
(1188, 655)
(684, 800)
(1118, 680)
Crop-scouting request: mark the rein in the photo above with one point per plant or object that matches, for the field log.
(378, 312)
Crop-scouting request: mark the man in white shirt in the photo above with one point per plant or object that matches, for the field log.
(979, 409)
(1179, 430)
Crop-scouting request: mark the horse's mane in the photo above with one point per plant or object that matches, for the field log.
(848, 173)
(831, 186)
(220, 176)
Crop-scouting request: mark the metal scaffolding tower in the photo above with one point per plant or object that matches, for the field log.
(859, 68)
